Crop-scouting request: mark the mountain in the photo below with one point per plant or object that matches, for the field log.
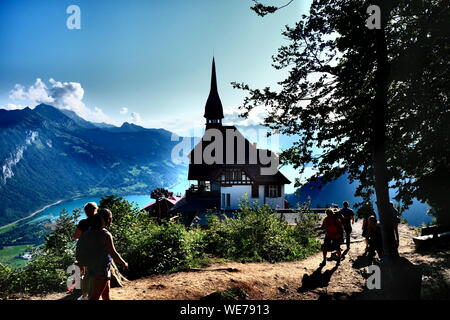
(47, 154)
(340, 190)
(325, 194)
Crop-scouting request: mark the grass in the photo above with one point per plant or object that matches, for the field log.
(4, 230)
(10, 255)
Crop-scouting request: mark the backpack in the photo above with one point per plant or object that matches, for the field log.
(333, 226)
(82, 251)
(89, 251)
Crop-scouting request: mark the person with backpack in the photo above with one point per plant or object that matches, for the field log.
(333, 235)
(84, 225)
(96, 250)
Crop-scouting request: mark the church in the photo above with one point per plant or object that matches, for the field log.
(226, 168)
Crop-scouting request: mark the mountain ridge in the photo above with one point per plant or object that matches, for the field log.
(47, 154)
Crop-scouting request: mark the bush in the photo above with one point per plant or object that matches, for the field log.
(258, 234)
(164, 248)
(46, 272)
(148, 246)
(255, 234)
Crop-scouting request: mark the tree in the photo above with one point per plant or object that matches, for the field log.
(346, 94)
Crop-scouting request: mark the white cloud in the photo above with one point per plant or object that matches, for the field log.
(255, 117)
(123, 110)
(62, 95)
(11, 106)
(136, 118)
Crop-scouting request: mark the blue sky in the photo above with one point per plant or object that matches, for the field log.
(151, 57)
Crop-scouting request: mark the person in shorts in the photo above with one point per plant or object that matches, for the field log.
(103, 252)
(333, 235)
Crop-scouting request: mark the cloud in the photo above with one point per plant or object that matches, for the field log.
(62, 95)
(136, 118)
(123, 110)
(255, 117)
(11, 106)
(37, 92)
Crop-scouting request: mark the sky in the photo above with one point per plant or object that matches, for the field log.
(141, 61)
(146, 62)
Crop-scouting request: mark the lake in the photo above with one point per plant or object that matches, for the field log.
(416, 215)
(54, 211)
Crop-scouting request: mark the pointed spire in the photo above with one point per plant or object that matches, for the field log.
(213, 77)
(213, 108)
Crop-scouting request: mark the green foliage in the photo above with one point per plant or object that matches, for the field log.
(340, 74)
(24, 233)
(46, 272)
(231, 293)
(258, 234)
(10, 255)
(149, 247)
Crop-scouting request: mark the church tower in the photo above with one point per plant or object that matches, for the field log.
(213, 107)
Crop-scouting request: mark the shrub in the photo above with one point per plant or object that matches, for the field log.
(258, 234)
(148, 246)
(255, 234)
(163, 248)
(46, 272)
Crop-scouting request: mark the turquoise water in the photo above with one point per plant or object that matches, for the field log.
(416, 215)
(140, 201)
(53, 212)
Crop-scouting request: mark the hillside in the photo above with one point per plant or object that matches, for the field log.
(47, 154)
(281, 281)
(335, 192)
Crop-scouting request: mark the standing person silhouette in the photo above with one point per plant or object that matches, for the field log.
(84, 225)
(333, 235)
(102, 253)
(396, 218)
(375, 241)
(348, 218)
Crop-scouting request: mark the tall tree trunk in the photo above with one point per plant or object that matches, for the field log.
(379, 141)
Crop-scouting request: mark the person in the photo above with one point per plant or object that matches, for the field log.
(396, 219)
(365, 230)
(375, 242)
(333, 235)
(102, 247)
(365, 211)
(348, 218)
(90, 209)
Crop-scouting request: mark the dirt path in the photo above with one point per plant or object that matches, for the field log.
(276, 281)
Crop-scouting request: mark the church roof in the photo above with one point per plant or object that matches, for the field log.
(213, 107)
(198, 170)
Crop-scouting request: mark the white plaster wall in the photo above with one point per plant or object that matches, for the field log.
(237, 192)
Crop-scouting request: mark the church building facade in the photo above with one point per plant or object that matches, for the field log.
(227, 168)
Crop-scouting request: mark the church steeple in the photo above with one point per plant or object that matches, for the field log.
(213, 107)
